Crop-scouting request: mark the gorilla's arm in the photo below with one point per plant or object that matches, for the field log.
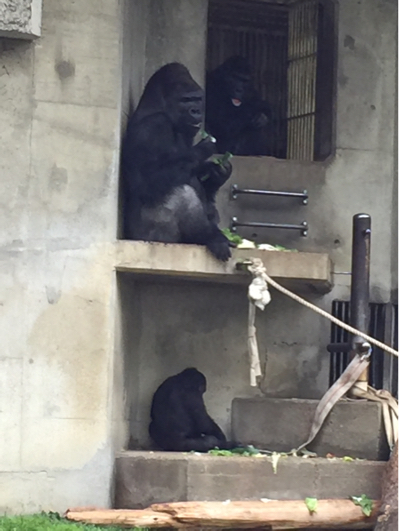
(203, 422)
(159, 165)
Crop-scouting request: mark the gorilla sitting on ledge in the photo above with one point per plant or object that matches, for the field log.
(236, 116)
(169, 186)
(179, 420)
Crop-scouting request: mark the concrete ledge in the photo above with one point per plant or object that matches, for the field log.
(20, 19)
(353, 428)
(298, 270)
(143, 478)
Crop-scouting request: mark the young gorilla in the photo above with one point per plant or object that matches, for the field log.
(179, 420)
(169, 186)
(235, 115)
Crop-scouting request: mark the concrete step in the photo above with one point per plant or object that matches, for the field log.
(143, 478)
(300, 271)
(353, 428)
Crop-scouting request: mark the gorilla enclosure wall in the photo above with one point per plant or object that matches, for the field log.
(166, 326)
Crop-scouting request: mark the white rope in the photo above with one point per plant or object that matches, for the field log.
(260, 297)
(318, 310)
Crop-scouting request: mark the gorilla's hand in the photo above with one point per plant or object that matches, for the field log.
(213, 175)
(205, 149)
(259, 120)
(219, 246)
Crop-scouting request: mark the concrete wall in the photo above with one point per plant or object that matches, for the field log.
(72, 382)
(60, 114)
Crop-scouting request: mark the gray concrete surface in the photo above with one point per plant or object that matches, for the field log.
(353, 428)
(83, 349)
(143, 478)
(301, 271)
(20, 19)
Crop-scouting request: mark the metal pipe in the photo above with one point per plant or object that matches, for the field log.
(339, 347)
(276, 193)
(303, 227)
(360, 280)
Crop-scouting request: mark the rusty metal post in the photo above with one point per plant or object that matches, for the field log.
(360, 281)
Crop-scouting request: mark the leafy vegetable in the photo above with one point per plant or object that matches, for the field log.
(223, 159)
(311, 504)
(204, 135)
(364, 502)
(231, 236)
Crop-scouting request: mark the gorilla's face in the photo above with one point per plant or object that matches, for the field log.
(185, 108)
(237, 85)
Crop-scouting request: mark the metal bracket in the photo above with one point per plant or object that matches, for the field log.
(235, 191)
(303, 227)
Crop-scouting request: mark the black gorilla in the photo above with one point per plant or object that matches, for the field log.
(179, 420)
(235, 115)
(169, 186)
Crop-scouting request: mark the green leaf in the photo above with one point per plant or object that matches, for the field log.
(231, 236)
(364, 502)
(311, 504)
(347, 459)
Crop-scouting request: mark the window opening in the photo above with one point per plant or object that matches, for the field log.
(290, 47)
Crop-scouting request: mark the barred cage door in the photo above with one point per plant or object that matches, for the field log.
(302, 68)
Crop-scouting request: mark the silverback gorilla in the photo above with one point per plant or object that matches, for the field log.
(169, 185)
(235, 115)
(179, 420)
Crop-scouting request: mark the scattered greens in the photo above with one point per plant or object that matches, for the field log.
(246, 451)
(311, 504)
(364, 502)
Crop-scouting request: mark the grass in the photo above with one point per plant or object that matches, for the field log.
(50, 522)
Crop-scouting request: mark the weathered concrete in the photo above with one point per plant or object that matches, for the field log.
(82, 364)
(60, 118)
(20, 19)
(309, 271)
(353, 428)
(143, 478)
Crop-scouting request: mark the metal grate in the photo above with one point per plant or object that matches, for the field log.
(383, 325)
(258, 31)
(290, 46)
(302, 66)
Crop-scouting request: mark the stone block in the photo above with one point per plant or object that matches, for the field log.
(20, 19)
(143, 478)
(353, 428)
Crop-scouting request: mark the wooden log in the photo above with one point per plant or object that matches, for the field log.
(276, 513)
(123, 517)
(279, 514)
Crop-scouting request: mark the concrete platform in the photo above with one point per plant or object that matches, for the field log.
(301, 271)
(143, 478)
(353, 428)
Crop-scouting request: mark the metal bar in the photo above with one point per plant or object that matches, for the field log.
(302, 195)
(303, 227)
(339, 347)
(360, 279)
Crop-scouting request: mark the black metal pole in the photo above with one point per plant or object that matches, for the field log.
(360, 277)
